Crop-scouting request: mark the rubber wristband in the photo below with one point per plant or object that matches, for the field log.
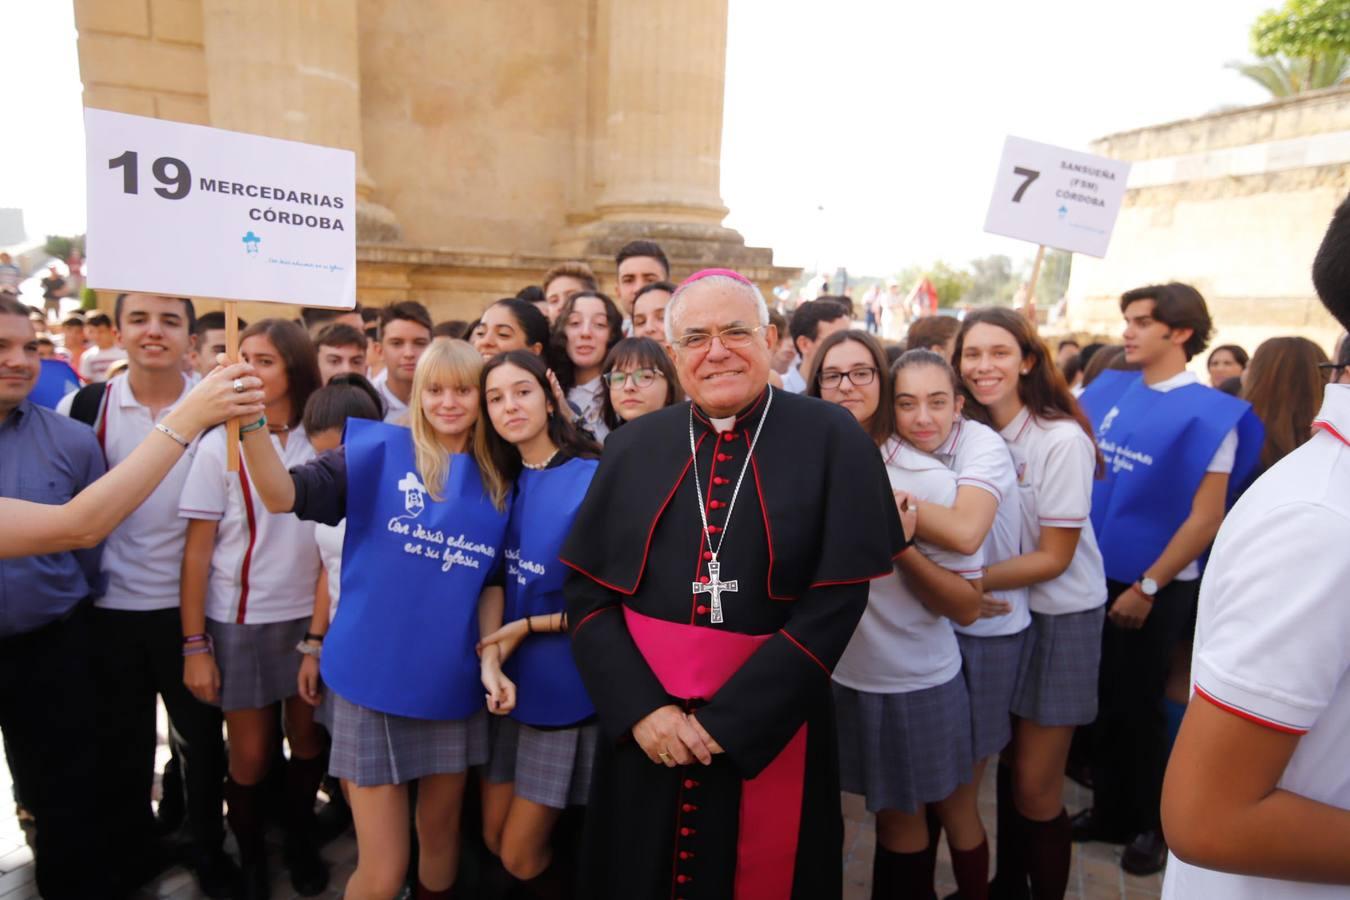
(248, 429)
(314, 638)
(529, 626)
(195, 638)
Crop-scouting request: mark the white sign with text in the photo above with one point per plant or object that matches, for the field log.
(203, 212)
(1056, 197)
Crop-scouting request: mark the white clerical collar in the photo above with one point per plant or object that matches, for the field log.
(724, 424)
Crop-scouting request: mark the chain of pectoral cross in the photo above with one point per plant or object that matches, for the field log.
(715, 585)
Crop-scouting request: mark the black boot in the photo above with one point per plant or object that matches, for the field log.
(245, 814)
(309, 873)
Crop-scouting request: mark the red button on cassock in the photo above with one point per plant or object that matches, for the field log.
(718, 479)
(724, 457)
(707, 554)
(729, 436)
(701, 609)
(713, 529)
(703, 579)
(690, 784)
(685, 832)
(715, 504)
(688, 807)
(683, 879)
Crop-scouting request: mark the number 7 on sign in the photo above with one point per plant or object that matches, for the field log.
(1030, 175)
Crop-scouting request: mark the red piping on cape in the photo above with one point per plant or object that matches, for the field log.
(248, 553)
(768, 532)
(800, 646)
(591, 615)
(1250, 717)
(646, 549)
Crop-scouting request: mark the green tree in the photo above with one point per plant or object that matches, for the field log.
(1054, 278)
(60, 246)
(1285, 77)
(952, 285)
(1303, 28)
(992, 281)
(1303, 46)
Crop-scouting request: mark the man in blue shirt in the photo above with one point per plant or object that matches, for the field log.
(46, 683)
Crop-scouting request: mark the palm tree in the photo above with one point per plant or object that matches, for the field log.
(1285, 77)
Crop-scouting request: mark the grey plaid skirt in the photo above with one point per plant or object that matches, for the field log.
(989, 666)
(1057, 681)
(372, 748)
(901, 751)
(551, 767)
(258, 664)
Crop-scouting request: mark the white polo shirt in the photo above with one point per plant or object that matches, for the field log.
(1272, 638)
(1223, 460)
(329, 540)
(899, 645)
(143, 556)
(395, 410)
(981, 460)
(1055, 462)
(793, 380)
(265, 566)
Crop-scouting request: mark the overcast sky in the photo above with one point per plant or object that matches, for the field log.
(889, 115)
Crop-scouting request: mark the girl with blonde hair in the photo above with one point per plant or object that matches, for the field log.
(426, 521)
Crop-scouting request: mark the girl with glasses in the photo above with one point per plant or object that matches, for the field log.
(639, 379)
(905, 727)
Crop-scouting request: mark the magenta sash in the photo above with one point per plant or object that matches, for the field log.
(693, 663)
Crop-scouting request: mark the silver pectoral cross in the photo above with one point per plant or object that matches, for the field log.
(715, 586)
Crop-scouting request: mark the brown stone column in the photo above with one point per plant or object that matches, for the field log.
(291, 70)
(661, 157)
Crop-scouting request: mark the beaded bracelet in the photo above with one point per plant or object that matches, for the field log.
(199, 647)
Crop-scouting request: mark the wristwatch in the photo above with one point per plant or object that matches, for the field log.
(1148, 587)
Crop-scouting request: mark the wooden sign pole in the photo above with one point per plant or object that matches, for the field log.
(1029, 302)
(232, 351)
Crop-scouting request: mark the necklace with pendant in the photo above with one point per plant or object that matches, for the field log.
(716, 586)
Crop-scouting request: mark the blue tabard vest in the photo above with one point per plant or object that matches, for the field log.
(412, 570)
(549, 691)
(1157, 447)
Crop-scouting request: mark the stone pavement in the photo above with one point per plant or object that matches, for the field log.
(1096, 873)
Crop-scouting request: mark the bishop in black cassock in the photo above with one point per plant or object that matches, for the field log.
(812, 522)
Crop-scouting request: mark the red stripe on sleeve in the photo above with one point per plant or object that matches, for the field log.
(1249, 716)
(799, 646)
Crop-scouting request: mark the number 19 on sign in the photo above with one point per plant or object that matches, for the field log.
(168, 171)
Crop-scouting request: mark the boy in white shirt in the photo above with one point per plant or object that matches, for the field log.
(1257, 798)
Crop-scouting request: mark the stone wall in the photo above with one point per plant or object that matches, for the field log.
(493, 140)
(1235, 203)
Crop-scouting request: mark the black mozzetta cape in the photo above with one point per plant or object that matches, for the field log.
(814, 523)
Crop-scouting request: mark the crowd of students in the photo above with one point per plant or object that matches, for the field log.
(1064, 506)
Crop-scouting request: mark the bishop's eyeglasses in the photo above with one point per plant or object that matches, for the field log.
(732, 338)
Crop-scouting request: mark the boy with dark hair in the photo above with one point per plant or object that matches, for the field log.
(95, 363)
(1177, 453)
(315, 318)
(208, 333)
(639, 263)
(1257, 799)
(813, 321)
(405, 334)
(341, 349)
(936, 333)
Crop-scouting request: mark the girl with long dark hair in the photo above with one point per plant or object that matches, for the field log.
(1014, 386)
(544, 747)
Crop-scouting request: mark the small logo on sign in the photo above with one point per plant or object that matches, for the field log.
(1063, 211)
(251, 242)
